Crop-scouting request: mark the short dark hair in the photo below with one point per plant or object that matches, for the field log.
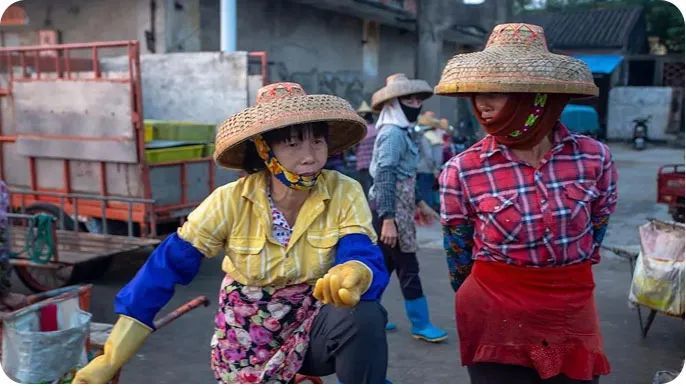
(252, 163)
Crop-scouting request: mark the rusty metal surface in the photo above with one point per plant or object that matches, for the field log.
(165, 182)
(121, 179)
(18, 173)
(94, 117)
(197, 182)
(77, 247)
(108, 150)
(77, 108)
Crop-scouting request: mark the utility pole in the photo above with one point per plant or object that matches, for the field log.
(434, 18)
(228, 25)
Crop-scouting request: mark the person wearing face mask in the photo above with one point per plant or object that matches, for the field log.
(524, 212)
(303, 273)
(392, 196)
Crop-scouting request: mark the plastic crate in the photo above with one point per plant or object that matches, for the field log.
(171, 154)
(179, 131)
(148, 133)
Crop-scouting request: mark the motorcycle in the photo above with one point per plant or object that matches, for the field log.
(640, 136)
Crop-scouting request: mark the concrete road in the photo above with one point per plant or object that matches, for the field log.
(179, 353)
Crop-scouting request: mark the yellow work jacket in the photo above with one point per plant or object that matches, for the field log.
(237, 218)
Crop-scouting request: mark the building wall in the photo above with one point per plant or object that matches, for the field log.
(629, 103)
(397, 53)
(327, 51)
(177, 23)
(321, 50)
(81, 21)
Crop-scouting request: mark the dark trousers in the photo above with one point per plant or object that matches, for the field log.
(501, 373)
(404, 264)
(350, 342)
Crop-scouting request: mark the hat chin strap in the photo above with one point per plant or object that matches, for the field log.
(291, 180)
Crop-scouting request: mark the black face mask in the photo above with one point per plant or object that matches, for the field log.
(411, 113)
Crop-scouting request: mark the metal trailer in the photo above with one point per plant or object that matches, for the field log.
(72, 145)
(99, 332)
(670, 189)
(46, 258)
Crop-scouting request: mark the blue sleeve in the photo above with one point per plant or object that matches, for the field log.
(175, 261)
(458, 242)
(359, 247)
(599, 226)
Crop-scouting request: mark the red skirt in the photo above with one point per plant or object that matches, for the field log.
(542, 318)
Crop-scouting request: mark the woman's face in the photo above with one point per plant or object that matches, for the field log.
(489, 104)
(411, 101)
(306, 156)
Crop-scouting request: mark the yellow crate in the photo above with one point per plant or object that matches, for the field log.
(171, 154)
(148, 133)
(180, 131)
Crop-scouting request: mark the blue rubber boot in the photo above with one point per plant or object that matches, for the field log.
(390, 326)
(418, 312)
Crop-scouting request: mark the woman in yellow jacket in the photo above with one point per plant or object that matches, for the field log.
(303, 272)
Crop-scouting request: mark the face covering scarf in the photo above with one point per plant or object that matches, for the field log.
(525, 119)
(288, 178)
(411, 113)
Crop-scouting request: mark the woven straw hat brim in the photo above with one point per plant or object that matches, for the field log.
(503, 69)
(346, 128)
(395, 90)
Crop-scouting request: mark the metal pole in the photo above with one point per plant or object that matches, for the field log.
(228, 25)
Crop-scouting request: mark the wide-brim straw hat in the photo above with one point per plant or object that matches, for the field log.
(516, 59)
(428, 120)
(398, 85)
(284, 104)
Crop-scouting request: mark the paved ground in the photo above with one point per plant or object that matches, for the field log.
(179, 353)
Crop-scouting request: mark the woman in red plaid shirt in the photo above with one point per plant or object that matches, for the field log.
(524, 212)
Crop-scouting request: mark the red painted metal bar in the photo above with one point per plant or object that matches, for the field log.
(22, 63)
(50, 137)
(58, 67)
(67, 63)
(32, 173)
(103, 178)
(93, 80)
(137, 117)
(47, 47)
(9, 66)
(262, 55)
(167, 208)
(183, 183)
(170, 317)
(67, 176)
(36, 63)
(96, 65)
(46, 63)
(8, 138)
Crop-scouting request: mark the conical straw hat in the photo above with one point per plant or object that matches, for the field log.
(283, 104)
(398, 85)
(516, 59)
(364, 108)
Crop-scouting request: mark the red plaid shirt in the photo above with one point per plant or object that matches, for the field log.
(527, 216)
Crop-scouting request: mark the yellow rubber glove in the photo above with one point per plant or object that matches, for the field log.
(343, 285)
(126, 338)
